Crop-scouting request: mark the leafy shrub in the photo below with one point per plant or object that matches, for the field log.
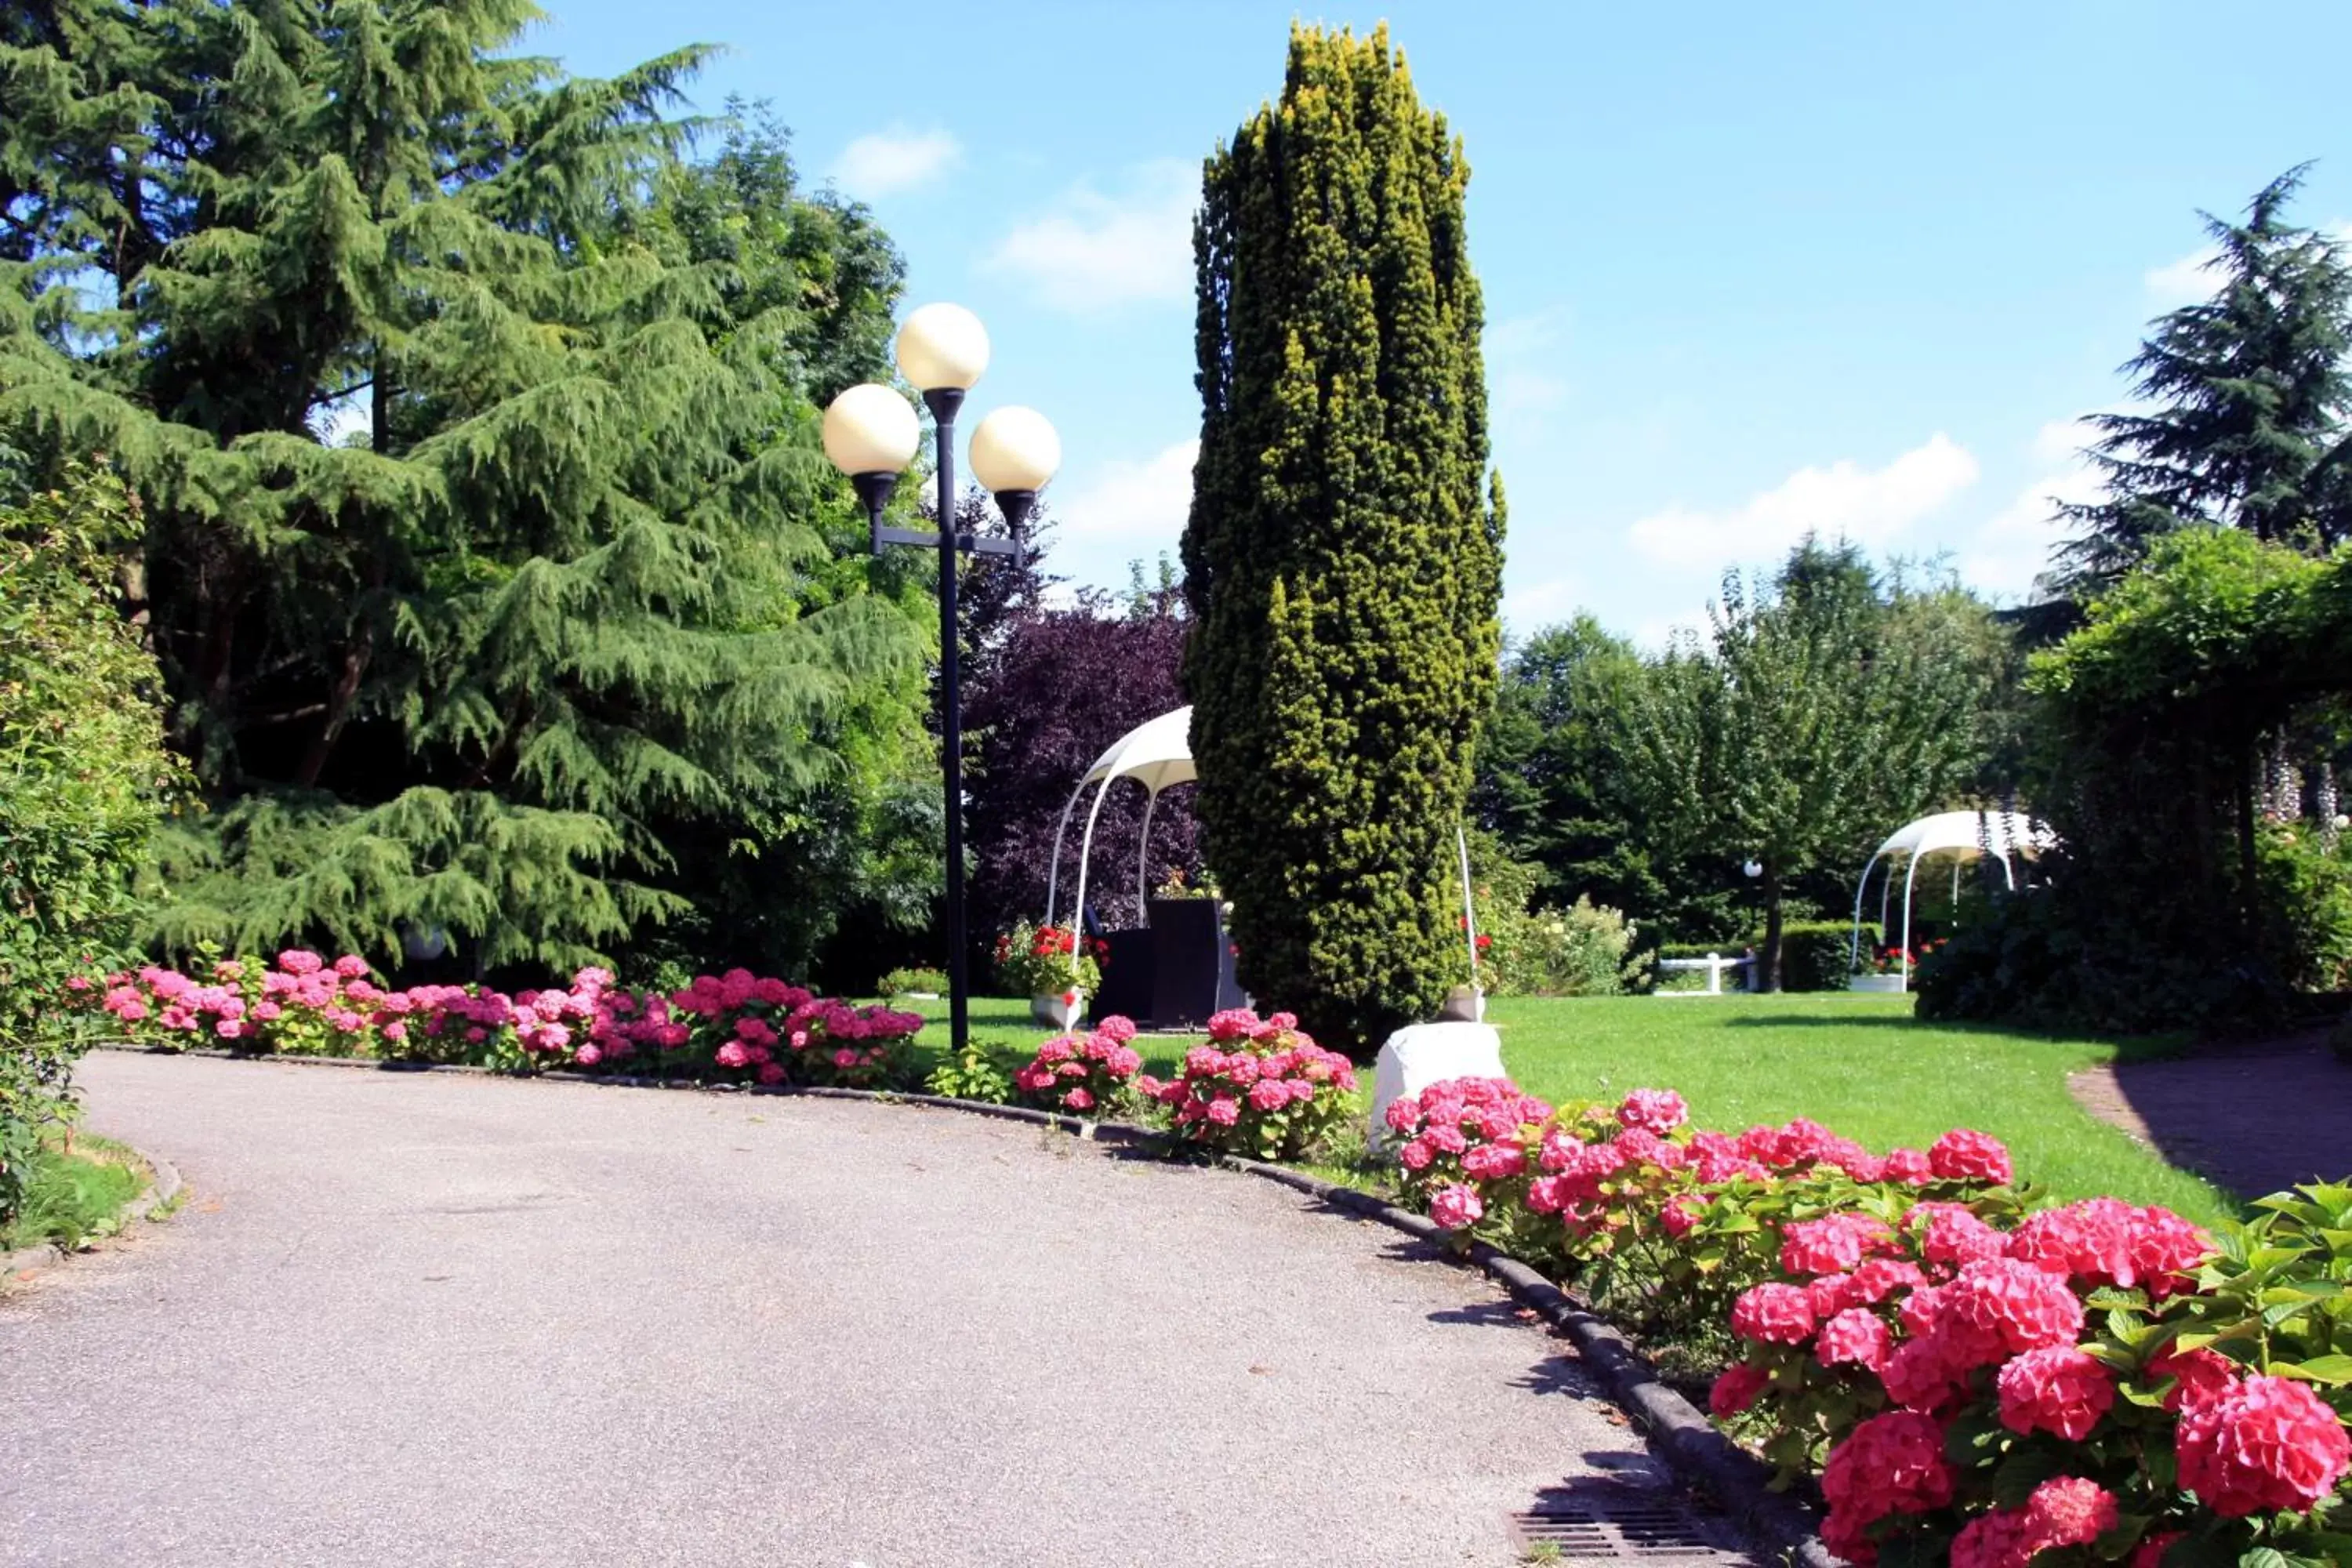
(1586, 950)
(1084, 1075)
(2038, 957)
(914, 983)
(1527, 951)
(1259, 1087)
(2307, 900)
(84, 782)
(978, 1072)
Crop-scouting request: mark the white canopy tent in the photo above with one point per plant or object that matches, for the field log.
(1960, 834)
(1157, 754)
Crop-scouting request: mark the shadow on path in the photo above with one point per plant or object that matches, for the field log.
(2252, 1118)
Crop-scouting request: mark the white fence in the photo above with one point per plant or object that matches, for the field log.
(1714, 963)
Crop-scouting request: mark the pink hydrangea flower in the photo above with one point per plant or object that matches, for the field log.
(2270, 1444)
(1962, 1155)
(2057, 1389)
(1892, 1463)
(1736, 1389)
(1855, 1337)
(1456, 1205)
(1773, 1314)
(1658, 1110)
(2070, 1511)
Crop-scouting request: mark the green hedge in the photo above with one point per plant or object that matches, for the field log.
(1815, 954)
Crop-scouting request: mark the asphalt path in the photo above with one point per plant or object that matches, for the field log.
(428, 1318)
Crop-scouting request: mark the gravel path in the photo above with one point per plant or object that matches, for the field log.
(2254, 1119)
(435, 1318)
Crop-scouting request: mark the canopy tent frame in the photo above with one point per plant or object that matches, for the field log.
(1157, 754)
(2011, 835)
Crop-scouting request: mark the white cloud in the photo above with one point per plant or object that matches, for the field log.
(1094, 251)
(1538, 605)
(1514, 336)
(2180, 282)
(898, 159)
(1870, 507)
(1522, 391)
(1524, 394)
(1132, 503)
(2014, 547)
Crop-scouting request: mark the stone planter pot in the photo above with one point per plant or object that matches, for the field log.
(1058, 1012)
(1880, 982)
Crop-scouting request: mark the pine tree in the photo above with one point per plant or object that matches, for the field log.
(487, 558)
(2252, 397)
(1340, 560)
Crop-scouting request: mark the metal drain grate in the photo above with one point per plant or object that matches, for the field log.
(1604, 1527)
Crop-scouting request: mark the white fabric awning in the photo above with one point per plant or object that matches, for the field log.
(1155, 754)
(2010, 832)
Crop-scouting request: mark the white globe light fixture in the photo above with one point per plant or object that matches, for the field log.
(871, 429)
(942, 348)
(1015, 453)
(871, 433)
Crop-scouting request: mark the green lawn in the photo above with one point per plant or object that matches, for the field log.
(1859, 1064)
(72, 1197)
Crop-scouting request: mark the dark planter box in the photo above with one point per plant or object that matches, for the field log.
(1127, 979)
(1193, 963)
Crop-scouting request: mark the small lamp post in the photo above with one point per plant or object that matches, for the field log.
(871, 433)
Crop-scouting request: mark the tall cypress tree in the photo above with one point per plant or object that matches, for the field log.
(486, 560)
(1342, 560)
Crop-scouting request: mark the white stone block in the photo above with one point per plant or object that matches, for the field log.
(1421, 1053)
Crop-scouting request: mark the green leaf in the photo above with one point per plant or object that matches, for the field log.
(2329, 1369)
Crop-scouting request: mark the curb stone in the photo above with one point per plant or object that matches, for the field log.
(163, 1187)
(1782, 1522)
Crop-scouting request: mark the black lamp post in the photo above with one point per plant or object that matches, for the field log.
(871, 435)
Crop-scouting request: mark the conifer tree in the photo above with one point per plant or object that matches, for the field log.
(1342, 560)
(486, 556)
(2251, 395)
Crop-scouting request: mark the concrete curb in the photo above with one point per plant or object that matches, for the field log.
(1783, 1524)
(163, 1187)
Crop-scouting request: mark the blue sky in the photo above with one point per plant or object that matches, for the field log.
(1748, 270)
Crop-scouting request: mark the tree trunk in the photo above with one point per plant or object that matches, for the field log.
(2248, 877)
(338, 710)
(1770, 957)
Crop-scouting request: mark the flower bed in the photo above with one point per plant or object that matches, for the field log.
(1260, 1088)
(1972, 1380)
(735, 1027)
(1083, 1075)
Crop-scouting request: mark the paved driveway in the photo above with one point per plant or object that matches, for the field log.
(432, 1319)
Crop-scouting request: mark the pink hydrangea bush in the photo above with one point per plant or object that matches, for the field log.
(1083, 1075)
(763, 1030)
(1259, 1087)
(735, 1027)
(2065, 1351)
(1463, 1152)
(298, 1003)
(1971, 1379)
